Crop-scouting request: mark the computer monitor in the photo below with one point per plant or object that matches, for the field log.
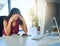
(52, 16)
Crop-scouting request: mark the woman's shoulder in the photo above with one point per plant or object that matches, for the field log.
(6, 19)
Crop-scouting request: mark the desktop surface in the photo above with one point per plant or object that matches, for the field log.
(18, 40)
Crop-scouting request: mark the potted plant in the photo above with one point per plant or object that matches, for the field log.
(36, 23)
(34, 19)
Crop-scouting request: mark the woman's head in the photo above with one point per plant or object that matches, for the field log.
(13, 12)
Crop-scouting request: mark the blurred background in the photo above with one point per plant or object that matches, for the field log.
(35, 12)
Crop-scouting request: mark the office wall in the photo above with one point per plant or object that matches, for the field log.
(55, 1)
(58, 17)
(52, 10)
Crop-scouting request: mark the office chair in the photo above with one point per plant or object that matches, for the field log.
(1, 24)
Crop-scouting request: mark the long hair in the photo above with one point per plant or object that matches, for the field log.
(15, 11)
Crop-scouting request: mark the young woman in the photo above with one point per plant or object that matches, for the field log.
(12, 22)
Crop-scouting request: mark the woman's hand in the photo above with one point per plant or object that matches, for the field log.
(21, 18)
(12, 18)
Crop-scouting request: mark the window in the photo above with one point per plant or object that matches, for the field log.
(3, 7)
(23, 6)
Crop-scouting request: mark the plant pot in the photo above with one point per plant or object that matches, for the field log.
(55, 30)
(38, 28)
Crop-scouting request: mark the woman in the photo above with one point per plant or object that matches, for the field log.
(12, 22)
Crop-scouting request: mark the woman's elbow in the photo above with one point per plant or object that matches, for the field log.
(7, 33)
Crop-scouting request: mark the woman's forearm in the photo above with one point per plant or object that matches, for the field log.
(8, 29)
(24, 26)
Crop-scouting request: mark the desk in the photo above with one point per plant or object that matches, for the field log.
(16, 40)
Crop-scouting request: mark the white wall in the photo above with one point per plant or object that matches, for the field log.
(4, 10)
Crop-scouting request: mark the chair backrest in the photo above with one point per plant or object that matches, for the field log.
(1, 24)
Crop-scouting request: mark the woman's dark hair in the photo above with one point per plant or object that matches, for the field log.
(15, 11)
